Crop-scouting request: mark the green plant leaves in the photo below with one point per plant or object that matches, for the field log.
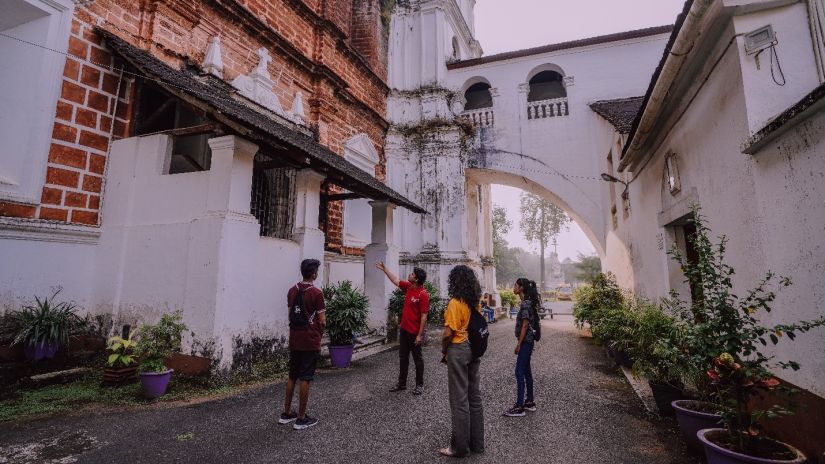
(347, 311)
(45, 322)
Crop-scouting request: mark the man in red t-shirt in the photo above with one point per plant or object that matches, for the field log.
(413, 323)
(307, 320)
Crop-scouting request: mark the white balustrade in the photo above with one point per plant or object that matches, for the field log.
(481, 117)
(548, 108)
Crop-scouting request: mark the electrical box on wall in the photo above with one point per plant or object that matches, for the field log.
(759, 39)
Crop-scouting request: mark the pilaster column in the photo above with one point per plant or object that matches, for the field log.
(378, 288)
(230, 175)
(523, 91)
(307, 206)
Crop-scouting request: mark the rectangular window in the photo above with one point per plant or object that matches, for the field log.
(160, 112)
(273, 201)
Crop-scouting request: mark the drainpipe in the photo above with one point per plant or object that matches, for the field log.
(688, 35)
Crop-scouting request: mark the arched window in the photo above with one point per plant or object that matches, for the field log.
(546, 85)
(478, 96)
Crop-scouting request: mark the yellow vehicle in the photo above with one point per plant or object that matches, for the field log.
(564, 293)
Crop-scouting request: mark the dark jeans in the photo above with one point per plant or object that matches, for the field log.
(406, 345)
(524, 373)
(466, 410)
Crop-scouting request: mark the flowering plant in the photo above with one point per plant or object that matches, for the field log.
(721, 347)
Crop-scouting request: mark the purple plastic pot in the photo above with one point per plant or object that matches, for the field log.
(691, 421)
(719, 455)
(38, 351)
(340, 356)
(153, 384)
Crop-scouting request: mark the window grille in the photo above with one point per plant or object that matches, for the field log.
(273, 201)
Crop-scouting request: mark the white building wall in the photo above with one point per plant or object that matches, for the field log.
(767, 205)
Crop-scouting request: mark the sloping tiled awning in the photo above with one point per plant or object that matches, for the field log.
(620, 113)
(217, 101)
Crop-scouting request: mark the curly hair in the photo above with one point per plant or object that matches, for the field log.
(463, 285)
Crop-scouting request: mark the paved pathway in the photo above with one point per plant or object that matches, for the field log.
(587, 414)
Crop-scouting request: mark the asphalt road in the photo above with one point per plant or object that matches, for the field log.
(587, 414)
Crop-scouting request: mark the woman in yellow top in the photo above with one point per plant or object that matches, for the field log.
(466, 410)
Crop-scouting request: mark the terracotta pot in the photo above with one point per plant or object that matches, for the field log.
(189, 365)
(719, 455)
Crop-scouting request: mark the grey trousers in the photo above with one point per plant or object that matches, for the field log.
(466, 410)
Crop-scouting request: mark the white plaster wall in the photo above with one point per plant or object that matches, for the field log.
(557, 150)
(351, 269)
(769, 206)
(163, 248)
(765, 99)
(31, 267)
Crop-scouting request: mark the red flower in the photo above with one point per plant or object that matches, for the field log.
(714, 375)
(770, 383)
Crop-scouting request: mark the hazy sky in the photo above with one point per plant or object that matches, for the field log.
(504, 25)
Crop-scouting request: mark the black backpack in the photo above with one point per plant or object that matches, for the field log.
(297, 315)
(536, 326)
(477, 333)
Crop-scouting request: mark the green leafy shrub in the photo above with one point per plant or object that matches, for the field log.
(508, 298)
(656, 345)
(347, 311)
(120, 351)
(722, 345)
(616, 325)
(602, 297)
(45, 322)
(157, 342)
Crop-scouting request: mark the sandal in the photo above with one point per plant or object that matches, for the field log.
(446, 452)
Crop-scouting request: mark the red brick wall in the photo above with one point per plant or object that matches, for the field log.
(323, 48)
(84, 119)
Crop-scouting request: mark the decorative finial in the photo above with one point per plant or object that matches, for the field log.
(213, 63)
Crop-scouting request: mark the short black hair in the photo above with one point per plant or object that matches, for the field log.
(420, 275)
(309, 267)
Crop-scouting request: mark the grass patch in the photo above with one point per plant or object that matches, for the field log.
(58, 399)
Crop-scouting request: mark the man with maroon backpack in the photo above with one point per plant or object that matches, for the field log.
(307, 321)
(411, 328)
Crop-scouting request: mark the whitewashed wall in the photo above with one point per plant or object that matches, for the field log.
(769, 205)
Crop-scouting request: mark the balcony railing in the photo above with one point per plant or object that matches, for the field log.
(482, 117)
(548, 108)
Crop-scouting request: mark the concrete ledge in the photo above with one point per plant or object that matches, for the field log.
(642, 389)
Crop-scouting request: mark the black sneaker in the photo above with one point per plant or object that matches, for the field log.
(419, 389)
(530, 406)
(287, 418)
(305, 423)
(515, 411)
(398, 388)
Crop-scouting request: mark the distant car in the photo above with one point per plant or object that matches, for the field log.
(564, 292)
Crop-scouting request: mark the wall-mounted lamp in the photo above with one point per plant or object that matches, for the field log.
(608, 178)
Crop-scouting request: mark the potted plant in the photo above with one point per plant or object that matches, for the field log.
(121, 364)
(347, 310)
(721, 350)
(509, 300)
(155, 344)
(44, 327)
